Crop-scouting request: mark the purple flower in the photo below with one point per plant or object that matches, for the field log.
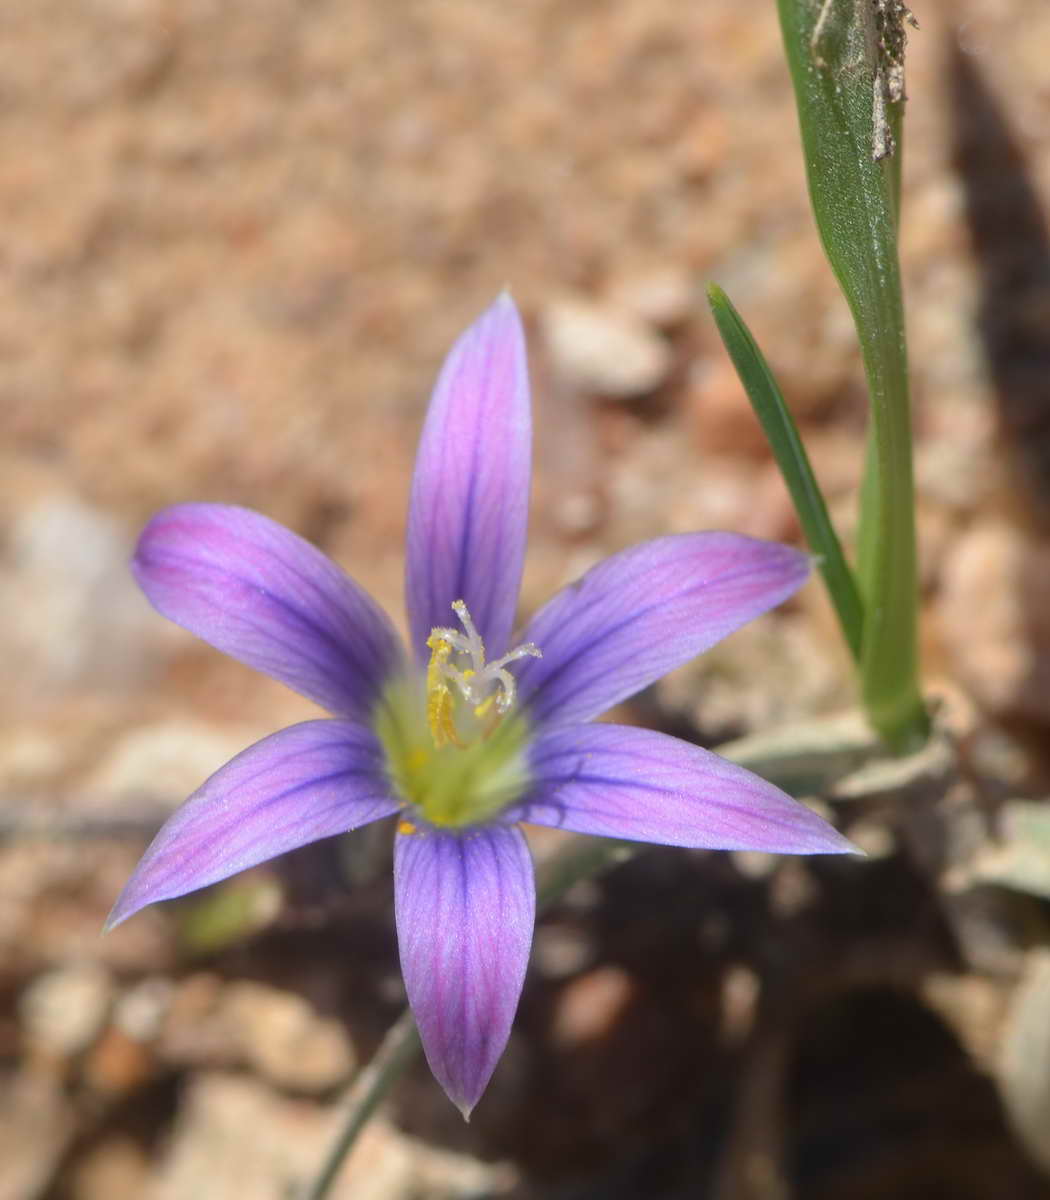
(472, 732)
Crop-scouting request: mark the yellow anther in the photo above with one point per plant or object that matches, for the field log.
(441, 703)
(406, 827)
(440, 648)
(486, 687)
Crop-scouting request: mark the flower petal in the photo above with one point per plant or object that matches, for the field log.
(296, 786)
(646, 610)
(621, 782)
(465, 906)
(470, 492)
(262, 594)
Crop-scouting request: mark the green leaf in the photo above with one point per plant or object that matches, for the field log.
(846, 63)
(772, 411)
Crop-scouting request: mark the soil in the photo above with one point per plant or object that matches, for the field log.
(237, 240)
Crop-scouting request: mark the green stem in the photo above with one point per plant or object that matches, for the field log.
(838, 60)
(399, 1048)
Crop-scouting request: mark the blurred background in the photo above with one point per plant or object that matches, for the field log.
(235, 241)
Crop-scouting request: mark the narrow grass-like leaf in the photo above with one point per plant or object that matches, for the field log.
(775, 417)
(846, 62)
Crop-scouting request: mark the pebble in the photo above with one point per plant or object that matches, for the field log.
(561, 951)
(276, 1033)
(140, 1011)
(166, 760)
(234, 1137)
(63, 1011)
(599, 350)
(73, 615)
(285, 1040)
(591, 1005)
(118, 1065)
(741, 989)
(720, 414)
(994, 618)
(663, 298)
(1024, 1059)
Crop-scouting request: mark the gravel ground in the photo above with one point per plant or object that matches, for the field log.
(236, 240)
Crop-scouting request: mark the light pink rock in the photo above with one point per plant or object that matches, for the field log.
(602, 351)
(995, 618)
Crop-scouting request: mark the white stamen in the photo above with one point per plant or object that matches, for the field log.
(475, 646)
(476, 681)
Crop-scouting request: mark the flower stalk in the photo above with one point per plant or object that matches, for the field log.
(847, 65)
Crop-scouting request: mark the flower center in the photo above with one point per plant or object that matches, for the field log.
(487, 688)
(455, 746)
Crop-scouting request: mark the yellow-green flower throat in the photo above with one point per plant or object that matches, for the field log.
(454, 741)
